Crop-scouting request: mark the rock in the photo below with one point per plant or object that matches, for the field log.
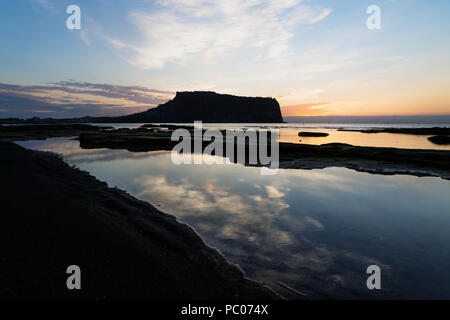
(312, 134)
(211, 107)
(443, 140)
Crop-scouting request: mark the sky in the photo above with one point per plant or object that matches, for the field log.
(316, 57)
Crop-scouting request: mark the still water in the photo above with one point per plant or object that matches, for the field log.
(314, 230)
(289, 133)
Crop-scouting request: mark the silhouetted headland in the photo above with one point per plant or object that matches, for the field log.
(210, 107)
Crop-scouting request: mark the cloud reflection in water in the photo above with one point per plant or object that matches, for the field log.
(315, 230)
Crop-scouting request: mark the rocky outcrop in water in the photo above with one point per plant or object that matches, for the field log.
(441, 140)
(313, 134)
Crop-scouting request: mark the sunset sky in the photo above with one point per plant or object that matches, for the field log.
(316, 57)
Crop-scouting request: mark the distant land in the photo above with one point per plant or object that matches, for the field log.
(187, 107)
(437, 119)
(211, 107)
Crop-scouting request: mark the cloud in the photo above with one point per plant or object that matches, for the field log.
(267, 238)
(45, 4)
(26, 107)
(85, 38)
(136, 94)
(186, 29)
(75, 99)
(307, 14)
(194, 202)
(273, 192)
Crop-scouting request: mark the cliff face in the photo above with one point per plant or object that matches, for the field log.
(210, 107)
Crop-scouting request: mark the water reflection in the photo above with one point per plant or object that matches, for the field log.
(406, 141)
(316, 231)
(289, 133)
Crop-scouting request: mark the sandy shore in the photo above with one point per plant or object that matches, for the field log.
(54, 216)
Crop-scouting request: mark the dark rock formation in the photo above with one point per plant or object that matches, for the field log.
(443, 140)
(210, 107)
(312, 134)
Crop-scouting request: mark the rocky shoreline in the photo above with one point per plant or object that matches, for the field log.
(150, 137)
(376, 160)
(54, 215)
